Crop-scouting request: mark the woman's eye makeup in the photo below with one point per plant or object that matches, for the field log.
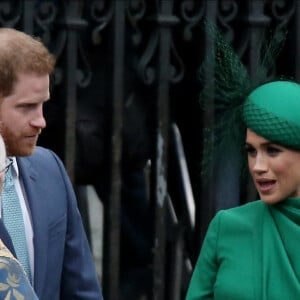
(249, 149)
(269, 149)
(273, 150)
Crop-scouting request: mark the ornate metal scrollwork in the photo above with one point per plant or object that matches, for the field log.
(44, 18)
(176, 70)
(147, 72)
(70, 23)
(227, 11)
(84, 74)
(10, 13)
(101, 13)
(135, 12)
(192, 11)
(282, 11)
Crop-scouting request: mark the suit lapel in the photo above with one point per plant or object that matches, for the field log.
(34, 193)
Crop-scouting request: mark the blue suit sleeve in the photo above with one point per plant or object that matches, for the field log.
(79, 278)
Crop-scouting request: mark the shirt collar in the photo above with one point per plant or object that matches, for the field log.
(14, 166)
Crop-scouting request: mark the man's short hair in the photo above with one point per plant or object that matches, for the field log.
(21, 53)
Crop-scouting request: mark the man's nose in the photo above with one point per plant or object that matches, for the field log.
(38, 120)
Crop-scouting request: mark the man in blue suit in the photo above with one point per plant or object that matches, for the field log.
(60, 262)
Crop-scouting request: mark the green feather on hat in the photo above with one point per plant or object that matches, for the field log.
(239, 100)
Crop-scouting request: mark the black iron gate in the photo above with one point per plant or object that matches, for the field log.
(125, 117)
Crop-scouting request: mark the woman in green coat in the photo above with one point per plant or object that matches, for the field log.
(253, 251)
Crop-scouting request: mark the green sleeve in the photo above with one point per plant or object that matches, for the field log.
(204, 276)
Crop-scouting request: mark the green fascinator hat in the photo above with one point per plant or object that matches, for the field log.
(273, 111)
(238, 100)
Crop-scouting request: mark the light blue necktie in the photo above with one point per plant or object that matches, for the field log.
(13, 220)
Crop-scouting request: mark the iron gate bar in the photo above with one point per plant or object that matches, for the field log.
(112, 214)
(73, 23)
(205, 208)
(165, 20)
(28, 17)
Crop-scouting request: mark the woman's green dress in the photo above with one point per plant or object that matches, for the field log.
(250, 252)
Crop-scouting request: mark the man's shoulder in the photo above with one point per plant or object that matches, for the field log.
(44, 164)
(41, 158)
(40, 153)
